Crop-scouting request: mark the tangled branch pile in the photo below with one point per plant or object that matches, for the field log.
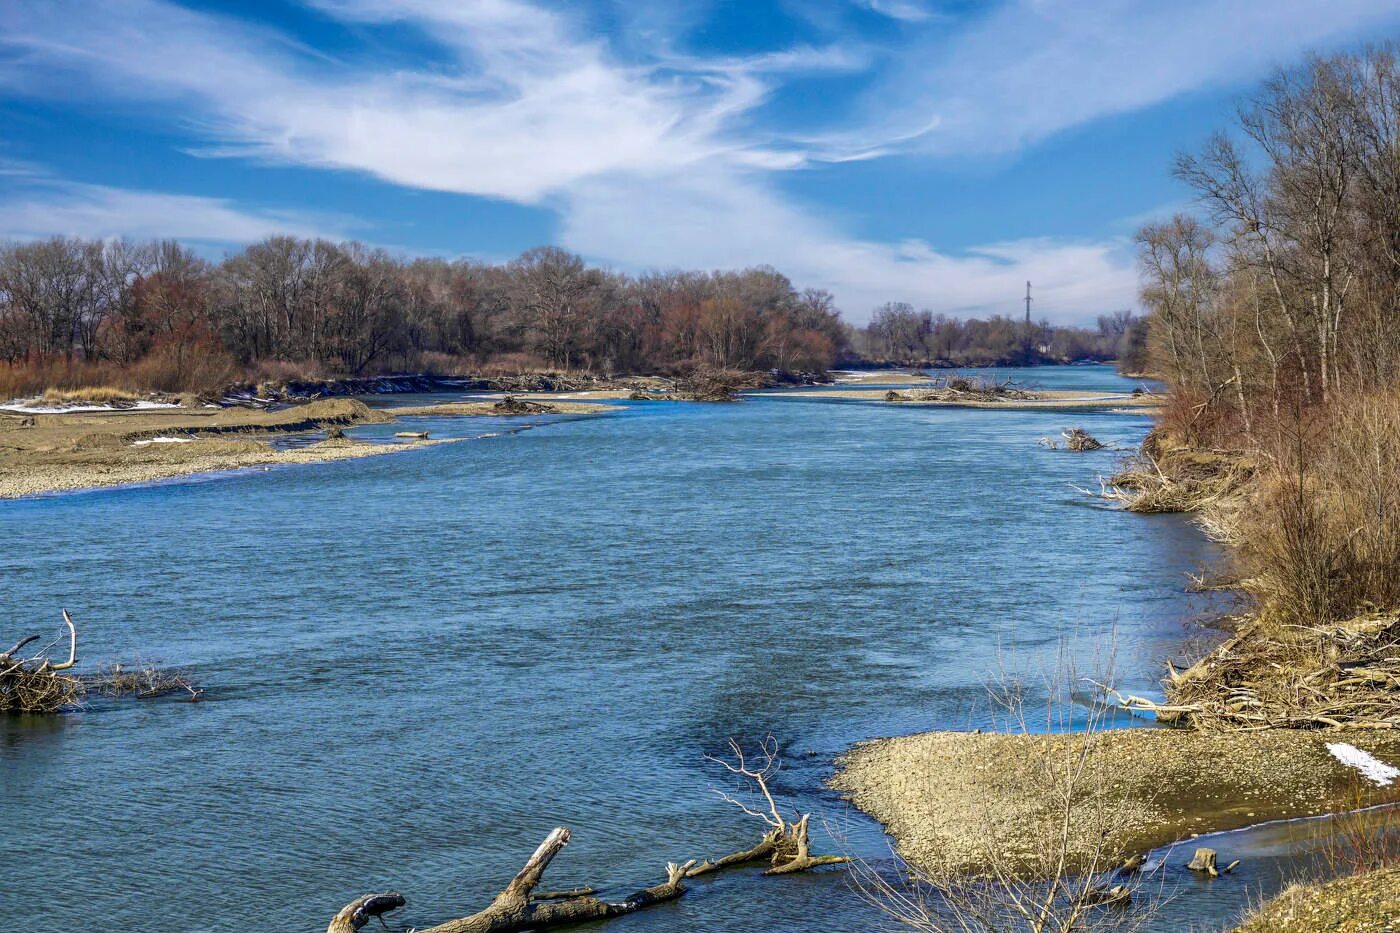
(1080, 440)
(142, 681)
(1343, 675)
(1076, 439)
(510, 405)
(38, 684)
(1180, 479)
(963, 389)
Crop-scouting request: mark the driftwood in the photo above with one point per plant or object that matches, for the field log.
(1080, 440)
(517, 907)
(1339, 676)
(41, 684)
(510, 405)
(38, 684)
(787, 844)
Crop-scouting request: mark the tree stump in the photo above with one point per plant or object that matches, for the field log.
(1205, 860)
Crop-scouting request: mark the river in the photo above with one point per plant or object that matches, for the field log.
(417, 665)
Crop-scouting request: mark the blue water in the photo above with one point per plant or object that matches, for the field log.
(417, 665)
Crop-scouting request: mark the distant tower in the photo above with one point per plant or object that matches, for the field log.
(1028, 304)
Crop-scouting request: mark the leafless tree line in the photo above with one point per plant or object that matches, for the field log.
(899, 333)
(347, 309)
(1287, 292)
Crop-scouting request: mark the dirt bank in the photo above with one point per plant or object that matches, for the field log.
(58, 452)
(946, 796)
(1368, 903)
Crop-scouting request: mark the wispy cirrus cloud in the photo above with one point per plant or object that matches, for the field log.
(659, 158)
(51, 207)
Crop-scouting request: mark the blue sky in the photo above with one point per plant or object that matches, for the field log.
(940, 153)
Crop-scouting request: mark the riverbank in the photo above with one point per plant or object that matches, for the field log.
(1365, 903)
(47, 453)
(951, 798)
(1292, 715)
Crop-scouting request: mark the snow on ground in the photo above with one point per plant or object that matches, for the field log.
(163, 440)
(1371, 767)
(26, 408)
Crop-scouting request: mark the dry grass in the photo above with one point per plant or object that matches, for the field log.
(1167, 477)
(92, 395)
(1273, 675)
(1367, 903)
(1313, 521)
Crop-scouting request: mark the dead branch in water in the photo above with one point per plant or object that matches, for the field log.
(787, 844)
(39, 684)
(517, 908)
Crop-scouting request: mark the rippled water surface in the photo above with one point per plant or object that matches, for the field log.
(418, 664)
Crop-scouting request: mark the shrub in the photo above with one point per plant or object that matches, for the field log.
(1323, 542)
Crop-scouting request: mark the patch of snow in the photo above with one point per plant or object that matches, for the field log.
(24, 408)
(163, 440)
(1371, 767)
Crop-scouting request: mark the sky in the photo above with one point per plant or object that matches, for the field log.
(939, 152)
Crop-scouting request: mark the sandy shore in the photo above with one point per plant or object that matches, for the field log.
(947, 796)
(47, 453)
(1054, 400)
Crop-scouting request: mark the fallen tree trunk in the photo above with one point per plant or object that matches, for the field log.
(516, 908)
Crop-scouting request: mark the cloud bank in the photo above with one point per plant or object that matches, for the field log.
(656, 161)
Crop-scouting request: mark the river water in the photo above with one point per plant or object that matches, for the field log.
(417, 665)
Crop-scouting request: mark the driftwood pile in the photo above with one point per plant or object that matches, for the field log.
(1345, 675)
(1076, 439)
(1080, 440)
(40, 684)
(963, 389)
(786, 846)
(510, 405)
(1180, 480)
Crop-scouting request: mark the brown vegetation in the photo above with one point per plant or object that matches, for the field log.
(1278, 330)
(897, 333)
(154, 316)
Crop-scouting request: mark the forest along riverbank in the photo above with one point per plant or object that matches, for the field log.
(47, 452)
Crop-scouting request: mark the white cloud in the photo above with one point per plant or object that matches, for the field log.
(67, 209)
(909, 11)
(663, 161)
(717, 219)
(1031, 68)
